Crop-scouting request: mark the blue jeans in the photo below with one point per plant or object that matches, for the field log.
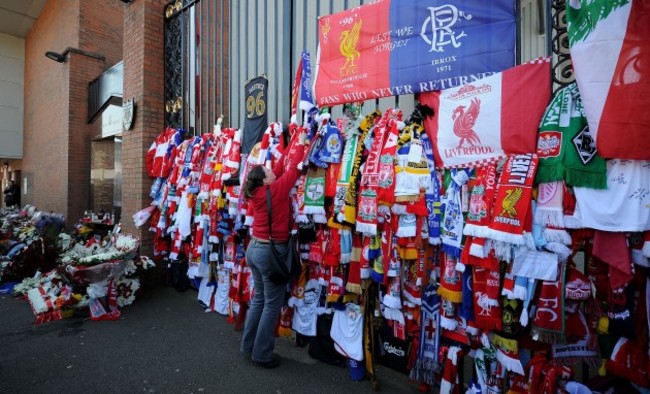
(262, 317)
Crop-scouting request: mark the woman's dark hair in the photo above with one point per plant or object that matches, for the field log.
(254, 180)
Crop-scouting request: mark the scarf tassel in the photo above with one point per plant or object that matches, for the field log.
(503, 236)
(561, 250)
(592, 361)
(454, 296)
(549, 217)
(572, 222)
(451, 250)
(545, 336)
(353, 288)
(510, 363)
(557, 235)
(393, 314)
(405, 232)
(392, 301)
(424, 371)
(476, 230)
(591, 180)
(524, 318)
(502, 250)
(367, 228)
(448, 324)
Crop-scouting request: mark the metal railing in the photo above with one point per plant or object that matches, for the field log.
(195, 87)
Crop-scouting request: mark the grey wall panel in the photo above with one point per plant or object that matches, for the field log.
(533, 38)
(260, 44)
(235, 64)
(269, 37)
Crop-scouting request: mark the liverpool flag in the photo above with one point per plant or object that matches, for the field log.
(610, 49)
(489, 118)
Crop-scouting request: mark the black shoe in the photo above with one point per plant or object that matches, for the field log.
(272, 363)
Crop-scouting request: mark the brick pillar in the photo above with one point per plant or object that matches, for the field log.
(143, 81)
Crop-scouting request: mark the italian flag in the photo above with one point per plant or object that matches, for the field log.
(610, 49)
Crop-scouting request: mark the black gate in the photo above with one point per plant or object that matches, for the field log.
(562, 66)
(196, 85)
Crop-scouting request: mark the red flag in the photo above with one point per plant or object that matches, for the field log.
(614, 93)
(489, 118)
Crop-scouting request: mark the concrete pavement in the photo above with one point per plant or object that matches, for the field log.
(163, 343)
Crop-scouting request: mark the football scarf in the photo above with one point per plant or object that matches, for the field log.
(452, 222)
(565, 145)
(315, 192)
(345, 173)
(426, 365)
(369, 188)
(350, 207)
(513, 198)
(467, 305)
(548, 322)
(451, 288)
(481, 199)
(487, 370)
(432, 193)
(386, 192)
(487, 311)
(507, 352)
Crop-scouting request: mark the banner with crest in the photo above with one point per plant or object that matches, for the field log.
(390, 47)
(483, 121)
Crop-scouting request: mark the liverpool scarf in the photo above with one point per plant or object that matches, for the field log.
(481, 200)
(450, 280)
(548, 322)
(386, 192)
(487, 311)
(566, 148)
(513, 198)
(369, 188)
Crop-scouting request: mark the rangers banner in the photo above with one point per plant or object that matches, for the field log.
(489, 118)
(395, 47)
(614, 93)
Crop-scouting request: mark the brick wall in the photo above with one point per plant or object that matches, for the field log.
(56, 161)
(143, 81)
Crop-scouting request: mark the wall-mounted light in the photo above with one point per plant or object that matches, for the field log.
(62, 57)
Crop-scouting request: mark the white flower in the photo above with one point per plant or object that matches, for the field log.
(126, 243)
(129, 268)
(126, 288)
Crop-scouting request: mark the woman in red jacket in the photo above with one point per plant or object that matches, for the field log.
(259, 330)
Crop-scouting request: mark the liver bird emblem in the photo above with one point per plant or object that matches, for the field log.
(510, 201)
(348, 47)
(464, 122)
(483, 301)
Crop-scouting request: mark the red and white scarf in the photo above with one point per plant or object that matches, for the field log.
(513, 198)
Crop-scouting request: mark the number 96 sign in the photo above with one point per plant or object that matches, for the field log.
(255, 105)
